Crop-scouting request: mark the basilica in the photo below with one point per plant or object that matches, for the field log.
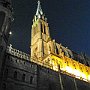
(49, 66)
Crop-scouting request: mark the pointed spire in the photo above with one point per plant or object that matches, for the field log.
(39, 11)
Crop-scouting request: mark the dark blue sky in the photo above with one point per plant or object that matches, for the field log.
(69, 22)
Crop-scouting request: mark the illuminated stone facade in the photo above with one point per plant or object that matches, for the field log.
(43, 49)
(51, 66)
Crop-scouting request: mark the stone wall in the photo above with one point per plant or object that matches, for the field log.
(21, 74)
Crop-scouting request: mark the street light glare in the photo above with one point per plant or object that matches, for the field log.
(10, 32)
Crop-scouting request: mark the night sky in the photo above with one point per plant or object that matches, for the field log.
(69, 22)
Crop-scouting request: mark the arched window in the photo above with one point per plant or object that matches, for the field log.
(15, 75)
(87, 63)
(23, 77)
(57, 50)
(1, 49)
(49, 48)
(6, 73)
(4, 86)
(50, 87)
(41, 28)
(44, 29)
(31, 79)
(64, 52)
(69, 55)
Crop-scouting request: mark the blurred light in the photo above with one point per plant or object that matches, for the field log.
(83, 76)
(69, 69)
(89, 77)
(77, 73)
(10, 32)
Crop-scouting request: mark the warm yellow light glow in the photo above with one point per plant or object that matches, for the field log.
(77, 73)
(68, 66)
(89, 77)
(55, 68)
(69, 69)
(83, 76)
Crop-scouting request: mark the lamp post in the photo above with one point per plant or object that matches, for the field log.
(75, 84)
(60, 79)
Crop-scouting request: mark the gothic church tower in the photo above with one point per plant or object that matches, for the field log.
(39, 35)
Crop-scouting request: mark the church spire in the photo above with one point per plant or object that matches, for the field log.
(39, 11)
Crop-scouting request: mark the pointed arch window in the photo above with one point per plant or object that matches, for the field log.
(50, 87)
(15, 75)
(31, 79)
(1, 49)
(23, 77)
(44, 29)
(87, 63)
(4, 86)
(6, 73)
(34, 31)
(57, 51)
(41, 28)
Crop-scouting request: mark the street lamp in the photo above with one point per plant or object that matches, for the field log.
(10, 32)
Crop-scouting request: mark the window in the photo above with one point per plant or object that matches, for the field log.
(8, 57)
(6, 73)
(31, 79)
(33, 31)
(16, 60)
(15, 75)
(4, 86)
(41, 28)
(87, 63)
(50, 87)
(69, 55)
(23, 77)
(49, 48)
(24, 62)
(47, 71)
(1, 49)
(44, 29)
(57, 50)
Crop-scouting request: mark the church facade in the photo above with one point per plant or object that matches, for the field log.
(51, 66)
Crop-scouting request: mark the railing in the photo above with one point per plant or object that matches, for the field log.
(17, 53)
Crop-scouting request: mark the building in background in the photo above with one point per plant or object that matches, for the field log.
(5, 24)
(51, 66)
